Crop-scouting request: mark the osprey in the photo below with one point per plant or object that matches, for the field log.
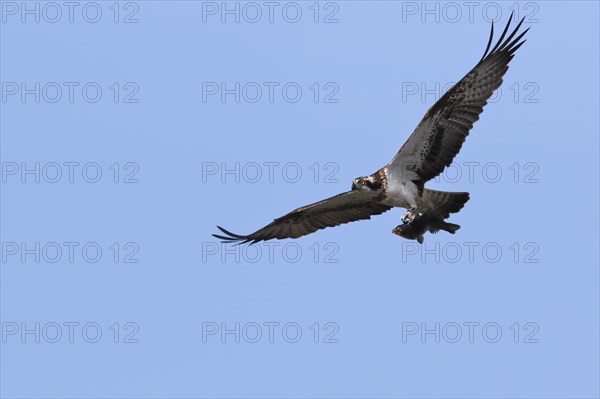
(430, 148)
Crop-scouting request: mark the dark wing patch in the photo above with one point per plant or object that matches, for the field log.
(440, 135)
(342, 208)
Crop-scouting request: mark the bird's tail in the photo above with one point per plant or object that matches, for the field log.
(446, 202)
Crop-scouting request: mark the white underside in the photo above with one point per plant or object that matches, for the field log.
(400, 193)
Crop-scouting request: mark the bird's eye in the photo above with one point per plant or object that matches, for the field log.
(363, 181)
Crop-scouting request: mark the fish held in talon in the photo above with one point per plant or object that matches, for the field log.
(428, 222)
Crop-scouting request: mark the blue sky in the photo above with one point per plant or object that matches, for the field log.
(129, 131)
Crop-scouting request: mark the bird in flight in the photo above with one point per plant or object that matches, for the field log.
(401, 183)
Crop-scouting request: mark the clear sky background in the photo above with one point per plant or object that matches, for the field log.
(129, 131)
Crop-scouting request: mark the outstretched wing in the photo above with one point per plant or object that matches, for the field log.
(342, 208)
(444, 128)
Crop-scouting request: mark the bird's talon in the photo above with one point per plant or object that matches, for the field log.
(410, 215)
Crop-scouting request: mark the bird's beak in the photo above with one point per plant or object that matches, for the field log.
(353, 186)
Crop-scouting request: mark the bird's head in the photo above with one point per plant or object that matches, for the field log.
(366, 183)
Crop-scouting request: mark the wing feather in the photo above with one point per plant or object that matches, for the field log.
(342, 208)
(440, 135)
